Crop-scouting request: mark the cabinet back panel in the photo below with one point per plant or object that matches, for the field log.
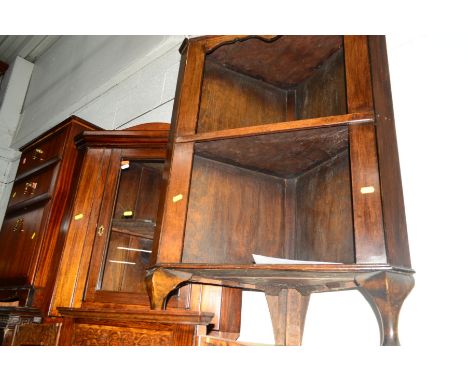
(233, 213)
(230, 100)
(324, 93)
(139, 189)
(284, 62)
(324, 223)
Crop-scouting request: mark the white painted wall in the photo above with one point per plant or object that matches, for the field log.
(111, 81)
(115, 83)
(12, 94)
(108, 80)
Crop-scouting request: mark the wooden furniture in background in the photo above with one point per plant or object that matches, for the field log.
(37, 218)
(284, 146)
(99, 296)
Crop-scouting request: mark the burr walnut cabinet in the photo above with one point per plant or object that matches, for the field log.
(285, 147)
(36, 220)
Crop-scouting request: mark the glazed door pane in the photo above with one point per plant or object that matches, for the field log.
(132, 227)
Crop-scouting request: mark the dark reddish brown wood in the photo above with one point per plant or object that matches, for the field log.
(358, 76)
(276, 61)
(285, 155)
(37, 185)
(40, 210)
(185, 121)
(231, 302)
(386, 292)
(37, 335)
(396, 236)
(231, 100)
(288, 310)
(232, 213)
(291, 105)
(72, 273)
(103, 197)
(314, 123)
(49, 148)
(295, 189)
(169, 248)
(161, 283)
(324, 217)
(85, 327)
(324, 92)
(101, 230)
(367, 206)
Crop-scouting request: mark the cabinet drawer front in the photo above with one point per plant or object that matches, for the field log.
(18, 241)
(34, 186)
(41, 152)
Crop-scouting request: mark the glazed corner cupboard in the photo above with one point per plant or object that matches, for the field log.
(285, 147)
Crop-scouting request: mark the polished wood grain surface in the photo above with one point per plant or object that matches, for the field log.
(39, 210)
(324, 221)
(85, 327)
(72, 272)
(169, 247)
(284, 155)
(287, 162)
(232, 213)
(393, 208)
(274, 61)
(312, 123)
(358, 75)
(231, 100)
(386, 292)
(103, 198)
(367, 205)
(324, 92)
(185, 121)
(37, 335)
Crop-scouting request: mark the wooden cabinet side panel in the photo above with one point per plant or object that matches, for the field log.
(59, 220)
(191, 82)
(358, 77)
(74, 264)
(396, 236)
(367, 207)
(175, 209)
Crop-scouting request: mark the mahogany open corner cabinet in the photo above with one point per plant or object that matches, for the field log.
(285, 147)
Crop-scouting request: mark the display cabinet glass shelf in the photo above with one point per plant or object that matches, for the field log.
(285, 147)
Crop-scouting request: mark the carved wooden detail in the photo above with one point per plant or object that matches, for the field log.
(161, 282)
(37, 334)
(100, 335)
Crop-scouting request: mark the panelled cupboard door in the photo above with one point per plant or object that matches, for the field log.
(20, 234)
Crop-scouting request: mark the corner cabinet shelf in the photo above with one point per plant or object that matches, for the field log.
(285, 146)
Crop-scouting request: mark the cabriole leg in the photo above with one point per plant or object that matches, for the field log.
(385, 292)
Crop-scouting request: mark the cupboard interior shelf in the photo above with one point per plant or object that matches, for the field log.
(311, 123)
